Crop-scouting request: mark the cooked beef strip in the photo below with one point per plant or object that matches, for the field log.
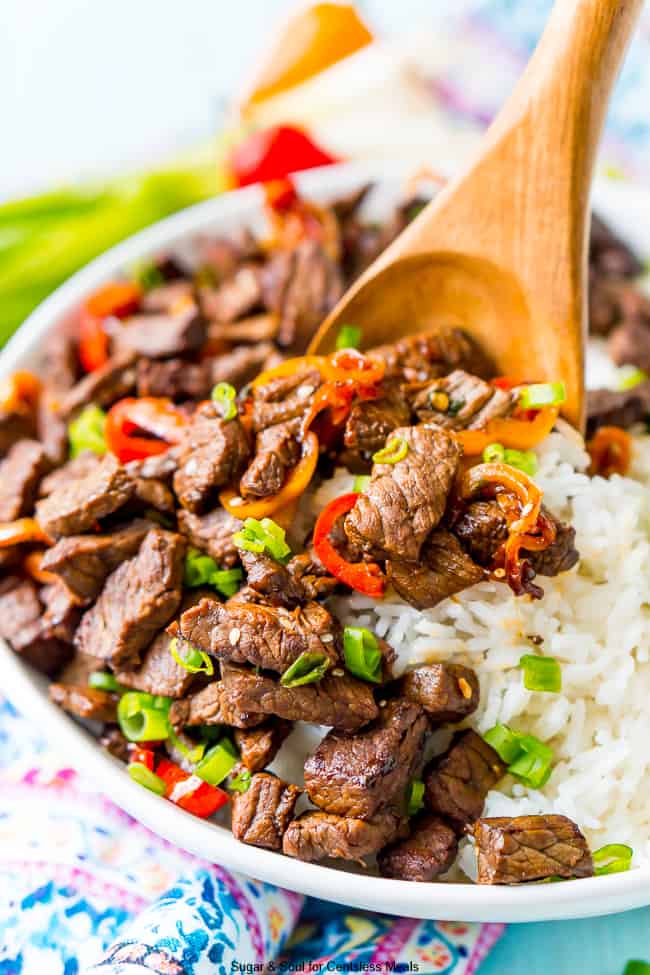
(15, 426)
(222, 255)
(272, 581)
(462, 401)
(20, 473)
(158, 467)
(212, 533)
(259, 746)
(83, 562)
(513, 851)
(51, 429)
(212, 453)
(242, 364)
(104, 386)
(212, 706)
(114, 742)
(369, 424)
(314, 579)
(72, 470)
(62, 611)
(483, 527)
(340, 702)
(177, 379)
(609, 255)
(261, 815)
(23, 626)
(270, 637)
(362, 774)
(443, 570)
(447, 692)
(237, 296)
(78, 670)
(457, 782)
(319, 835)
(422, 357)
(428, 851)
(254, 329)
(164, 298)
(608, 407)
(301, 286)
(159, 336)
(284, 398)
(629, 343)
(150, 493)
(277, 451)
(138, 599)
(85, 702)
(405, 501)
(60, 365)
(76, 506)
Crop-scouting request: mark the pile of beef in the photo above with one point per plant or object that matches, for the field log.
(114, 593)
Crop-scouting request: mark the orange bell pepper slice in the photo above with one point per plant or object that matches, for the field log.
(22, 530)
(610, 450)
(509, 431)
(295, 485)
(19, 392)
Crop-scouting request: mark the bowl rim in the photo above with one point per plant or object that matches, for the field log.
(25, 689)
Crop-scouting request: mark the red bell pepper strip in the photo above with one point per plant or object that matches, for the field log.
(365, 577)
(189, 791)
(143, 756)
(273, 153)
(115, 299)
(155, 415)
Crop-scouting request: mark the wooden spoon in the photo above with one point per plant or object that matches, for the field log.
(502, 250)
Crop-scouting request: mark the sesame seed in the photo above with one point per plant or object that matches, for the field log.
(327, 638)
(304, 391)
(337, 672)
(465, 689)
(234, 636)
(499, 573)
(382, 704)
(236, 502)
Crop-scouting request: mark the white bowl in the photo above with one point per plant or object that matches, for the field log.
(629, 210)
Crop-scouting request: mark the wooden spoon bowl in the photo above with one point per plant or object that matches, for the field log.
(502, 250)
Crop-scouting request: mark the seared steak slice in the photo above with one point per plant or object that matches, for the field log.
(444, 569)
(266, 636)
(422, 357)
(241, 364)
(83, 562)
(428, 851)
(114, 742)
(212, 533)
(20, 473)
(360, 775)
(104, 386)
(320, 835)
(404, 502)
(311, 575)
(212, 453)
(158, 467)
(371, 421)
(76, 506)
(447, 692)
(457, 782)
(254, 329)
(62, 611)
(340, 702)
(173, 294)
(22, 625)
(176, 379)
(259, 746)
(513, 851)
(159, 336)
(461, 401)
(611, 408)
(261, 815)
(272, 581)
(277, 451)
(284, 398)
(137, 601)
(60, 365)
(301, 286)
(238, 295)
(51, 429)
(629, 343)
(15, 426)
(85, 702)
(211, 706)
(559, 557)
(159, 673)
(72, 470)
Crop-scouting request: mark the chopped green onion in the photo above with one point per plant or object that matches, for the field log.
(504, 741)
(217, 763)
(533, 765)
(306, 669)
(361, 482)
(224, 395)
(416, 797)
(241, 782)
(193, 661)
(362, 653)
(193, 754)
(395, 450)
(101, 680)
(523, 460)
(144, 717)
(494, 453)
(541, 673)
(263, 536)
(613, 858)
(144, 776)
(627, 377)
(349, 337)
(86, 432)
(635, 967)
(227, 581)
(536, 395)
(148, 275)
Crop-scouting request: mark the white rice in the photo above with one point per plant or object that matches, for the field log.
(595, 620)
